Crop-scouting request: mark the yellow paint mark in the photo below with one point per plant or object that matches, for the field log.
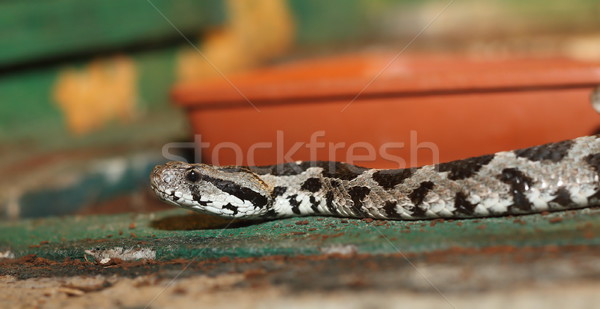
(103, 91)
(583, 47)
(258, 30)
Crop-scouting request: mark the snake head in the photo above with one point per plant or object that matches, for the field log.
(226, 191)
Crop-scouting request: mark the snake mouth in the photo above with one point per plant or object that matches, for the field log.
(180, 200)
(165, 196)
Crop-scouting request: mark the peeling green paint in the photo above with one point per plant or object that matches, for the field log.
(71, 236)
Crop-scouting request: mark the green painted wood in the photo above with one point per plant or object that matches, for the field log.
(71, 236)
(37, 30)
(328, 23)
(29, 115)
(99, 181)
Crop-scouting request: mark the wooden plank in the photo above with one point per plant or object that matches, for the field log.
(34, 30)
(174, 234)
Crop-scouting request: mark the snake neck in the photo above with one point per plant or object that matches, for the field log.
(307, 194)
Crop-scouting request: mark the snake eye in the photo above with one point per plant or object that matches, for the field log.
(192, 176)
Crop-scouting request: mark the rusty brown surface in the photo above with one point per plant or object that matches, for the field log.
(370, 271)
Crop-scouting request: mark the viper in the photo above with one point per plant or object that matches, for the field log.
(551, 177)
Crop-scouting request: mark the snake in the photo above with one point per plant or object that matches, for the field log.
(551, 177)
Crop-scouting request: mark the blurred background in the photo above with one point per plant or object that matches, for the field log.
(92, 91)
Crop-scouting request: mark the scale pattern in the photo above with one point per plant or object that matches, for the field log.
(551, 177)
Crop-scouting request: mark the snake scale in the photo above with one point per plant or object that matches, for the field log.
(551, 177)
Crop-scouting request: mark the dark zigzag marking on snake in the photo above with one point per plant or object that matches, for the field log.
(329, 203)
(195, 196)
(311, 185)
(270, 214)
(462, 205)
(417, 196)
(563, 197)
(314, 204)
(464, 168)
(519, 183)
(390, 209)
(594, 161)
(234, 169)
(329, 196)
(238, 191)
(294, 203)
(337, 170)
(552, 152)
(232, 208)
(388, 179)
(176, 198)
(279, 191)
(357, 194)
(334, 183)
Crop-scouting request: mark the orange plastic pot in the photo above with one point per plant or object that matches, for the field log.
(375, 112)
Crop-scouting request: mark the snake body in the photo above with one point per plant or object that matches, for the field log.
(551, 177)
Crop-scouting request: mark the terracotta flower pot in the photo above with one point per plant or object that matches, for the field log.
(371, 111)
